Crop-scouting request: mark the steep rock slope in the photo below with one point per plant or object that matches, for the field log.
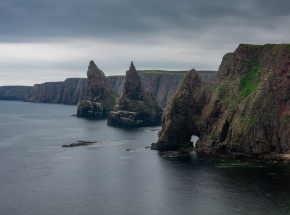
(162, 84)
(67, 92)
(135, 106)
(15, 92)
(245, 112)
(100, 98)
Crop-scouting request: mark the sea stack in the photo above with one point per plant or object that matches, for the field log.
(100, 98)
(246, 112)
(135, 107)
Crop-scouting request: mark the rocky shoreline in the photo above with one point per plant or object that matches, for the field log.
(245, 112)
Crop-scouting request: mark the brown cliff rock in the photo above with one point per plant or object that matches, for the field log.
(68, 92)
(135, 106)
(15, 92)
(100, 98)
(246, 112)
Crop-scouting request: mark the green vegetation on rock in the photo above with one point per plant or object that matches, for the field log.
(246, 112)
(251, 81)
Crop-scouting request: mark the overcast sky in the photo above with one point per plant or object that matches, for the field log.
(51, 40)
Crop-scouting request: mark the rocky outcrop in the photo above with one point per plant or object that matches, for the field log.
(100, 98)
(247, 111)
(135, 107)
(15, 92)
(162, 84)
(68, 92)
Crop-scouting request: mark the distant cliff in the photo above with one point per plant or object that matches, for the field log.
(15, 92)
(68, 92)
(162, 84)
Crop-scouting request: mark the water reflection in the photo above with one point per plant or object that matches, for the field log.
(241, 187)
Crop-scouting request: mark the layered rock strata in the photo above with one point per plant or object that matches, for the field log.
(135, 107)
(100, 98)
(247, 111)
(68, 92)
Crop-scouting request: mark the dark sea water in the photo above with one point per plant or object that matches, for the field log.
(39, 177)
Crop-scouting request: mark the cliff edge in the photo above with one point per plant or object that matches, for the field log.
(135, 106)
(245, 112)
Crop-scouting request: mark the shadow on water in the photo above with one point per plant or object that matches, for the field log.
(231, 186)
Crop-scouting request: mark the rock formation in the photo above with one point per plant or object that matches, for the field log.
(162, 84)
(135, 107)
(15, 92)
(100, 98)
(247, 111)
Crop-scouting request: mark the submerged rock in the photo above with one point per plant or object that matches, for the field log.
(247, 111)
(135, 107)
(100, 98)
(80, 143)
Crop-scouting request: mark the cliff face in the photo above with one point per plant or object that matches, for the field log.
(117, 83)
(67, 92)
(135, 106)
(99, 94)
(15, 92)
(162, 84)
(246, 112)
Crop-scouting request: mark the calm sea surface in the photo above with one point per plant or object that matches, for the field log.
(39, 177)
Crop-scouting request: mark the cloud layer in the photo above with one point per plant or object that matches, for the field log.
(44, 40)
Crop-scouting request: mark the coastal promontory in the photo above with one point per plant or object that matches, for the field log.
(135, 107)
(100, 98)
(245, 112)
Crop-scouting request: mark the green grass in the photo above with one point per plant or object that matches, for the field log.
(269, 45)
(165, 72)
(286, 118)
(251, 81)
(112, 100)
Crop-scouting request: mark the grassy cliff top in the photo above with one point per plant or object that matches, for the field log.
(269, 45)
(16, 87)
(200, 72)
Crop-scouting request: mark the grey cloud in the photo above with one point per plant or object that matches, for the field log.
(21, 20)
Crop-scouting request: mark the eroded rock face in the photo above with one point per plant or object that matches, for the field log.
(100, 98)
(15, 92)
(246, 112)
(163, 84)
(135, 107)
(68, 92)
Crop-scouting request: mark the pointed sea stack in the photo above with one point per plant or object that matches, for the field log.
(100, 98)
(136, 107)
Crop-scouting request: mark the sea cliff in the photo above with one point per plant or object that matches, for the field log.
(245, 112)
(162, 84)
(68, 92)
(15, 92)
